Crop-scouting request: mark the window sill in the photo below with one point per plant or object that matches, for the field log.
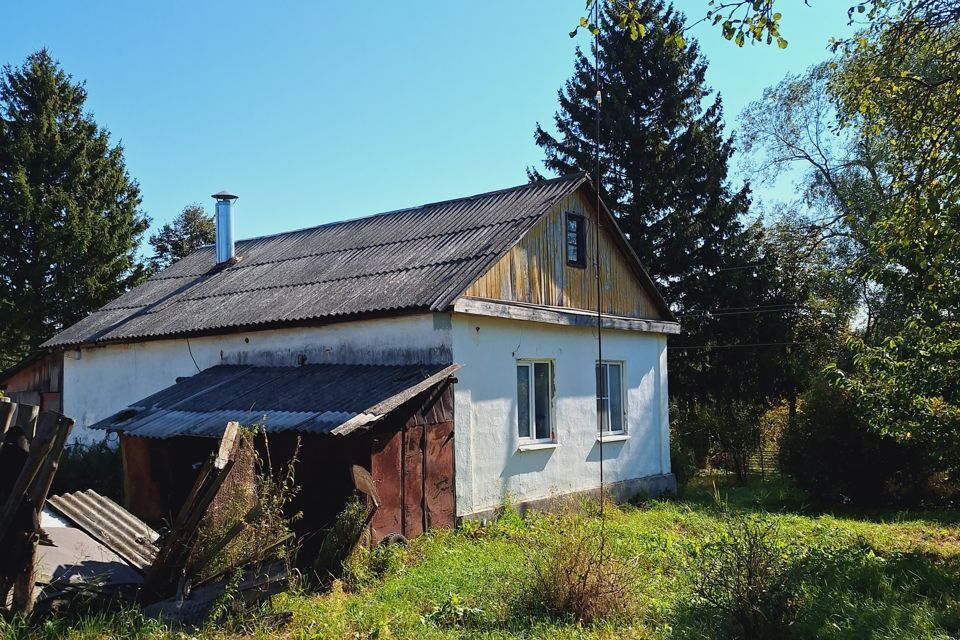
(614, 437)
(538, 446)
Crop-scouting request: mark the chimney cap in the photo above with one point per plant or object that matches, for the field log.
(224, 195)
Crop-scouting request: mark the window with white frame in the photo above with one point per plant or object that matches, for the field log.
(610, 398)
(535, 401)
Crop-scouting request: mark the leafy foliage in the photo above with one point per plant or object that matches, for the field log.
(333, 558)
(758, 304)
(877, 131)
(746, 579)
(901, 97)
(254, 500)
(69, 213)
(758, 21)
(192, 228)
(453, 612)
(835, 456)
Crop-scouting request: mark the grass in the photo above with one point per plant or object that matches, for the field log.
(864, 575)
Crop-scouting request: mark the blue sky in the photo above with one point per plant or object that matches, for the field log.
(320, 111)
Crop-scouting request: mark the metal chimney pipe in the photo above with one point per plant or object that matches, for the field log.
(225, 245)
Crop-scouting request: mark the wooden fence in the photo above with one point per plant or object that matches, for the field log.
(764, 462)
(30, 446)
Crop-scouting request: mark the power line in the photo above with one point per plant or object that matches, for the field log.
(741, 311)
(744, 309)
(734, 346)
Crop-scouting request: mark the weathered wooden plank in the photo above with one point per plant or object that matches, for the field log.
(44, 480)
(24, 581)
(27, 419)
(39, 448)
(555, 315)
(8, 410)
(171, 560)
(27, 496)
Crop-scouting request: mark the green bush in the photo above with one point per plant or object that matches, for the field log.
(682, 463)
(340, 540)
(454, 612)
(719, 434)
(832, 454)
(746, 581)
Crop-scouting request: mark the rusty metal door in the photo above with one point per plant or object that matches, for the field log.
(440, 500)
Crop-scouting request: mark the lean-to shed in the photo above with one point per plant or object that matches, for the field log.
(396, 421)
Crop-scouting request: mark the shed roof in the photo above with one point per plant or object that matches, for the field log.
(416, 259)
(318, 398)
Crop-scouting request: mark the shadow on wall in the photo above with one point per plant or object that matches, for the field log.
(521, 462)
(611, 450)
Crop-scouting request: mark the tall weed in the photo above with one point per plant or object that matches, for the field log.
(575, 572)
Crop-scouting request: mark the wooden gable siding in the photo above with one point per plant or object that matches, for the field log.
(535, 271)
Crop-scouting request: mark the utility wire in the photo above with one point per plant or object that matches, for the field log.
(732, 311)
(733, 346)
(190, 351)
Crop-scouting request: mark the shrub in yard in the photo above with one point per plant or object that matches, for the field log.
(832, 454)
(745, 581)
(253, 500)
(682, 462)
(576, 573)
(720, 434)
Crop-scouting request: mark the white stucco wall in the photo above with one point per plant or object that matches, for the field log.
(106, 379)
(490, 466)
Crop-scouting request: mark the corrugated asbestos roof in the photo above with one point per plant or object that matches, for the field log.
(413, 259)
(318, 398)
(110, 524)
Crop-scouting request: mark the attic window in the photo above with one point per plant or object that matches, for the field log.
(576, 241)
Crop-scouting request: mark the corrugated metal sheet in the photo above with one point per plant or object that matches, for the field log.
(316, 398)
(110, 524)
(413, 259)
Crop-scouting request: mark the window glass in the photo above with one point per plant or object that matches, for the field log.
(602, 399)
(575, 240)
(573, 249)
(615, 395)
(541, 382)
(523, 400)
(610, 397)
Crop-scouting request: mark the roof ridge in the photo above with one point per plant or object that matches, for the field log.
(539, 183)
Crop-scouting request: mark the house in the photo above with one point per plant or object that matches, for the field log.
(475, 316)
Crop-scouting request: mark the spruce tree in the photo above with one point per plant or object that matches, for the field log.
(664, 160)
(69, 213)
